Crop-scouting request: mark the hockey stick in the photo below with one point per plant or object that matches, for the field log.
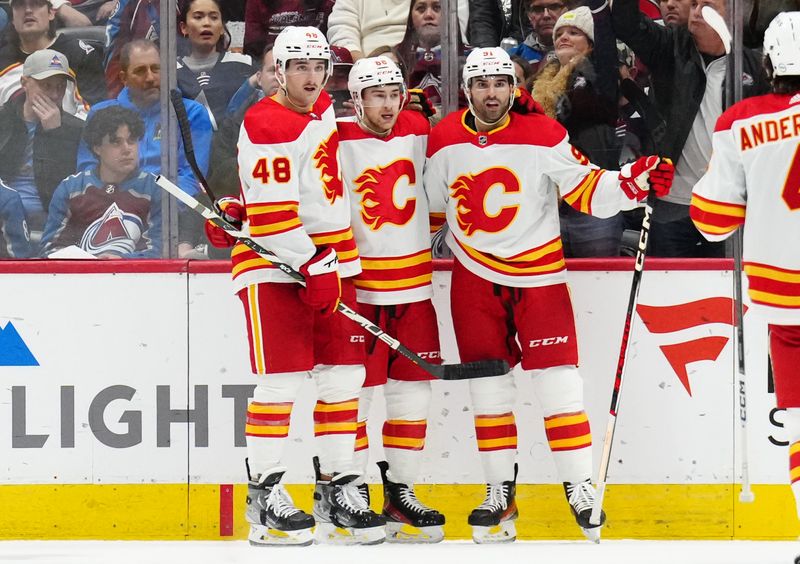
(605, 458)
(733, 94)
(462, 371)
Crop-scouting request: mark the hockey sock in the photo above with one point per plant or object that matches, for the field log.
(792, 426)
(336, 415)
(403, 442)
(268, 415)
(361, 451)
(495, 426)
(560, 393)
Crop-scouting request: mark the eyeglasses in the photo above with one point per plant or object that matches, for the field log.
(552, 8)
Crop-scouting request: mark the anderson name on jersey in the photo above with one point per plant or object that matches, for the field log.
(292, 191)
(384, 176)
(755, 173)
(500, 192)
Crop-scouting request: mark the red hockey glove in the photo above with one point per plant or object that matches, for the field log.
(323, 289)
(232, 211)
(661, 177)
(418, 101)
(634, 177)
(525, 104)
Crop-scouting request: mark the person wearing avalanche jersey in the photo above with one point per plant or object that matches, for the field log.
(382, 152)
(499, 176)
(753, 180)
(295, 206)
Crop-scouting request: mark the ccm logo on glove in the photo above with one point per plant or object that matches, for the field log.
(646, 173)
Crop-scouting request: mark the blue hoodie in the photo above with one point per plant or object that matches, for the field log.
(14, 237)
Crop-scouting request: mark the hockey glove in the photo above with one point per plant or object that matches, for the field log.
(634, 177)
(525, 104)
(661, 177)
(418, 101)
(232, 211)
(323, 288)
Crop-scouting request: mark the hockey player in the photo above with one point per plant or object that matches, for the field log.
(498, 176)
(753, 181)
(295, 206)
(382, 151)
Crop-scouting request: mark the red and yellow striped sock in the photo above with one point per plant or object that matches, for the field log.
(337, 418)
(568, 431)
(794, 462)
(362, 440)
(496, 432)
(268, 420)
(403, 434)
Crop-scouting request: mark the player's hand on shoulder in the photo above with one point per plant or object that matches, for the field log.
(419, 102)
(525, 104)
(650, 172)
(323, 288)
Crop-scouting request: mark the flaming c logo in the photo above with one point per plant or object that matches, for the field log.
(325, 161)
(674, 318)
(377, 185)
(470, 191)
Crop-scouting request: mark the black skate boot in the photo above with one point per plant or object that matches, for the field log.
(581, 500)
(342, 515)
(493, 520)
(273, 518)
(407, 519)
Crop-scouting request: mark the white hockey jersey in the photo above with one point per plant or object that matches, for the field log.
(500, 189)
(389, 209)
(754, 179)
(292, 190)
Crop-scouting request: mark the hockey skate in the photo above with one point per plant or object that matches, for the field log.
(581, 499)
(493, 520)
(342, 515)
(273, 518)
(407, 519)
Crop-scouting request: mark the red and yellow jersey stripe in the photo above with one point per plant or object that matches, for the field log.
(544, 259)
(437, 220)
(773, 286)
(273, 218)
(715, 218)
(388, 274)
(580, 197)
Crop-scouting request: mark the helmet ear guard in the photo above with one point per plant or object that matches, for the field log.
(374, 71)
(782, 44)
(305, 43)
(490, 61)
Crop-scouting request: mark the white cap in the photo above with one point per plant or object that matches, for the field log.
(45, 63)
(782, 44)
(580, 18)
(488, 61)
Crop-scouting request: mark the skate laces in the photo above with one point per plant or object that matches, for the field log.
(409, 498)
(281, 502)
(496, 497)
(581, 496)
(350, 497)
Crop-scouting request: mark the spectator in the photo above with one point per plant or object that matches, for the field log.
(579, 89)
(97, 12)
(141, 75)
(420, 50)
(210, 75)
(68, 16)
(361, 26)
(112, 210)
(130, 20)
(3, 20)
(33, 28)
(538, 45)
(524, 72)
(265, 19)
(675, 12)
(38, 139)
(687, 70)
(261, 83)
(14, 237)
(488, 26)
(336, 87)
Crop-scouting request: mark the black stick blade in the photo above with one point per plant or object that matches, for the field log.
(477, 369)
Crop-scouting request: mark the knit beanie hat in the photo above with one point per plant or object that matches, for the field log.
(580, 18)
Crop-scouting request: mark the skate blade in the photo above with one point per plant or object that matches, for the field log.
(403, 533)
(504, 532)
(328, 533)
(593, 534)
(264, 536)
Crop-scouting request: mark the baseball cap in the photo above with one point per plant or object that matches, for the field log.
(46, 62)
(42, 1)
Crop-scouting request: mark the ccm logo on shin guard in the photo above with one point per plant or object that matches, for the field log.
(548, 341)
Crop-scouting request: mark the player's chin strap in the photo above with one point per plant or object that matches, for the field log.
(281, 78)
(362, 123)
(491, 125)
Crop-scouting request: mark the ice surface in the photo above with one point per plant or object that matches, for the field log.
(239, 552)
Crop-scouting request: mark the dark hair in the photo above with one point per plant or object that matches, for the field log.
(108, 120)
(783, 84)
(394, 55)
(185, 6)
(11, 32)
(128, 48)
(527, 71)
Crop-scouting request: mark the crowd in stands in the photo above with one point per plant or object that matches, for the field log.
(80, 117)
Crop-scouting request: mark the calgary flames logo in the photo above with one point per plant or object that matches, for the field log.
(377, 186)
(325, 161)
(470, 192)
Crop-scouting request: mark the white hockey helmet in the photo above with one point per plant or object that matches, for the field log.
(488, 61)
(373, 71)
(295, 42)
(782, 44)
